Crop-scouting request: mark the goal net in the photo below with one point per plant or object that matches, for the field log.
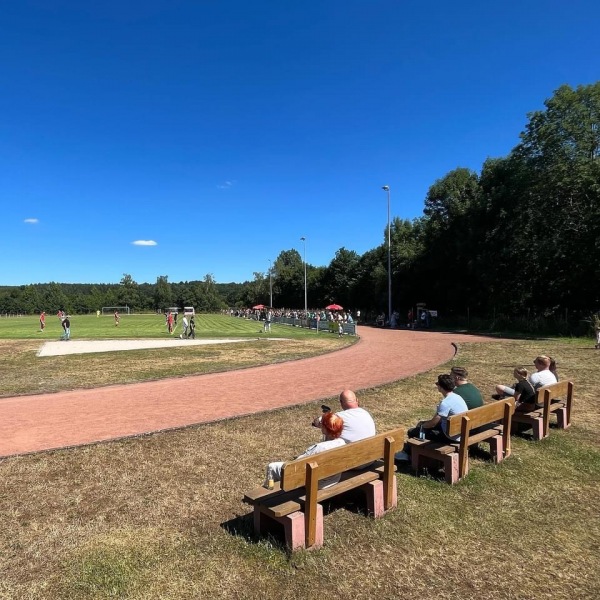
(110, 310)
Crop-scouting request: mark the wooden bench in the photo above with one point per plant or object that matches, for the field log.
(455, 455)
(557, 399)
(296, 501)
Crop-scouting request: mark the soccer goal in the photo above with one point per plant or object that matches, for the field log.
(110, 310)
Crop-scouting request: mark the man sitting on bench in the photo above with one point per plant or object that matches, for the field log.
(358, 423)
(435, 428)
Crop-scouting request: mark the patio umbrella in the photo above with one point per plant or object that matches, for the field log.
(258, 307)
(334, 307)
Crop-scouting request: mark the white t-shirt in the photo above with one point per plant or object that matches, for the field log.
(541, 378)
(358, 424)
(321, 447)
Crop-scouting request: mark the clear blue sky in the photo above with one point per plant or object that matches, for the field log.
(223, 131)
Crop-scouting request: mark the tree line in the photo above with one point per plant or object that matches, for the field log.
(521, 238)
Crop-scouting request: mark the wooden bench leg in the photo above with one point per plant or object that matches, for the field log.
(293, 527)
(450, 462)
(375, 498)
(538, 429)
(496, 448)
(561, 417)
(451, 470)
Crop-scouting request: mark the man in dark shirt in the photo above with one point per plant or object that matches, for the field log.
(467, 391)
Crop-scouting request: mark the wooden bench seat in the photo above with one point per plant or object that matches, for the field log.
(296, 502)
(454, 456)
(556, 399)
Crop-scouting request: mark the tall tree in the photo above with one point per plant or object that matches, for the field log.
(163, 297)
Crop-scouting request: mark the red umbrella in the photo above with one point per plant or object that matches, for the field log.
(258, 307)
(334, 307)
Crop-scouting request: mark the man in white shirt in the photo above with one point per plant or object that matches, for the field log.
(358, 423)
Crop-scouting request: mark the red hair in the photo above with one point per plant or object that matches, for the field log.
(333, 424)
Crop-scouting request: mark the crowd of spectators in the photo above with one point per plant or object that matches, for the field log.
(260, 314)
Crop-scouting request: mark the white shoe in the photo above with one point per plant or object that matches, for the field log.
(401, 455)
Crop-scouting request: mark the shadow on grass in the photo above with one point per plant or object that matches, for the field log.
(273, 532)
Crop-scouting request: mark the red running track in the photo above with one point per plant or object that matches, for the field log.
(79, 417)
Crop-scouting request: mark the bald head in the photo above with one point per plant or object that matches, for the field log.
(348, 399)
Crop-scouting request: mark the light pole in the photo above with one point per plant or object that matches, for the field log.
(386, 188)
(270, 285)
(305, 288)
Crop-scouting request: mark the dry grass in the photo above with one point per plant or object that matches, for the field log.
(161, 516)
(22, 372)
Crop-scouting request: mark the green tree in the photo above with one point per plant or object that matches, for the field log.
(163, 297)
(341, 277)
(288, 283)
(128, 294)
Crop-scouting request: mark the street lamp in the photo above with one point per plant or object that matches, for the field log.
(386, 188)
(270, 284)
(305, 288)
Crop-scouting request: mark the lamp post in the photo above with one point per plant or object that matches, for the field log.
(305, 288)
(386, 188)
(270, 285)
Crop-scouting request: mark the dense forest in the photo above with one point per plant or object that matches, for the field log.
(519, 239)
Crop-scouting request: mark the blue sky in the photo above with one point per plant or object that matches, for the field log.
(218, 133)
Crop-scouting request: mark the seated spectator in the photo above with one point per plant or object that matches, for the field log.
(331, 427)
(466, 390)
(436, 427)
(358, 423)
(543, 376)
(524, 391)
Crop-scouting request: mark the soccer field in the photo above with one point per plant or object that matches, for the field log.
(140, 326)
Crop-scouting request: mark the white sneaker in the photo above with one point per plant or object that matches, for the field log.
(401, 455)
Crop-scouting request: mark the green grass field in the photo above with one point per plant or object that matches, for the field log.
(140, 326)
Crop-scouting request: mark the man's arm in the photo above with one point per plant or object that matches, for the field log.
(431, 423)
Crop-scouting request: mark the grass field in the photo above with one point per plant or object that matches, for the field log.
(22, 372)
(139, 326)
(161, 516)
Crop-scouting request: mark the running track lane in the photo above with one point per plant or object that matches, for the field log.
(79, 417)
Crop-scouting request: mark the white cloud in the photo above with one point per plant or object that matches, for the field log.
(31, 221)
(144, 243)
(226, 185)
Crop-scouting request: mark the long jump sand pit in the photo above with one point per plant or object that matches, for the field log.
(63, 348)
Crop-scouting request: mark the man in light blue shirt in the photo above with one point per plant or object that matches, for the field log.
(436, 427)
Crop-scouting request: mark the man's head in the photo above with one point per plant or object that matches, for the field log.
(542, 362)
(445, 383)
(459, 374)
(348, 400)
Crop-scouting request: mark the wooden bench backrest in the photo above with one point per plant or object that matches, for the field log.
(561, 390)
(482, 415)
(338, 460)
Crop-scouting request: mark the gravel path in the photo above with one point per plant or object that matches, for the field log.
(79, 417)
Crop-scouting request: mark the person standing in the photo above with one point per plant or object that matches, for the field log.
(42, 321)
(192, 328)
(117, 318)
(170, 322)
(66, 325)
(185, 325)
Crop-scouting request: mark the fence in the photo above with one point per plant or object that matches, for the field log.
(329, 326)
